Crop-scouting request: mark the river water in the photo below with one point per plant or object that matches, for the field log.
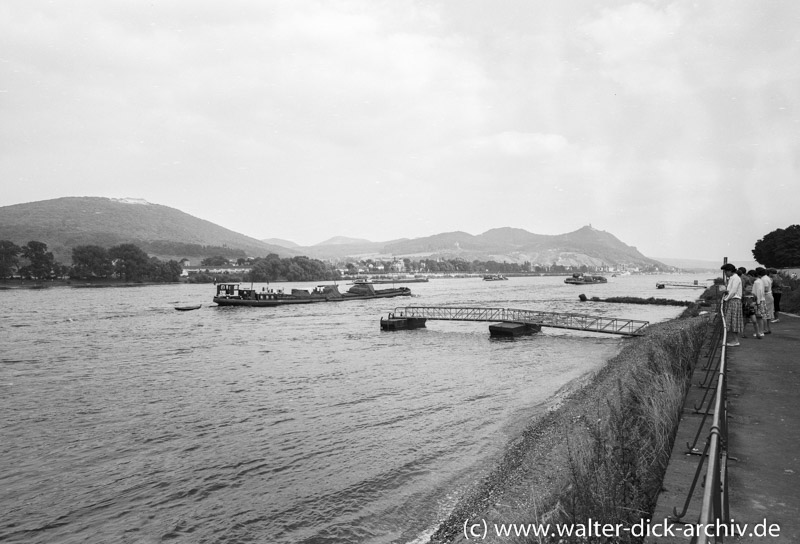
(126, 421)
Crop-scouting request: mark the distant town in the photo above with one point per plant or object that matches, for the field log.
(273, 268)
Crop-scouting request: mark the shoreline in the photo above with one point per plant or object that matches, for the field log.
(532, 480)
(50, 284)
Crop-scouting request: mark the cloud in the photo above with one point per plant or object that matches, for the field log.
(635, 46)
(519, 144)
(638, 117)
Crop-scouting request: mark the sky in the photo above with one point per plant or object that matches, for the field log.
(673, 125)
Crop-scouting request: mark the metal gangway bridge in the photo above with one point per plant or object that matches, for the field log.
(535, 318)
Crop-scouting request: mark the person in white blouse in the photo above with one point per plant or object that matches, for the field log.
(768, 298)
(732, 304)
(761, 304)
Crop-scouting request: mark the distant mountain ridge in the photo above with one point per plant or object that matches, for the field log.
(165, 232)
(280, 242)
(342, 241)
(585, 246)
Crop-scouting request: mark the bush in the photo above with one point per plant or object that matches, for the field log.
(790, 300)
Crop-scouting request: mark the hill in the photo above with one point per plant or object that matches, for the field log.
(167, 233)
(585, 246)
(342, 241)
(280, 242)
(161, 231)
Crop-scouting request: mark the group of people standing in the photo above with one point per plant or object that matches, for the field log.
(751, 296)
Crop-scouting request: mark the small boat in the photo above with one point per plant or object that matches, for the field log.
(188, 308)
(230, 294)
(583, 279)
(494, 277)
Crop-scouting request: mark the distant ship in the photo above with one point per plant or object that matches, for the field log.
(583, 279)
(230, 294)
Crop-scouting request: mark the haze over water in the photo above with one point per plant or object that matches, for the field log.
(126, 421)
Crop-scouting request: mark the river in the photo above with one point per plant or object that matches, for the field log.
(126, 421)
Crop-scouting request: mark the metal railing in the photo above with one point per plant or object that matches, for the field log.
(714, 508)
(709, 382)
(611, 325)
(715, 492)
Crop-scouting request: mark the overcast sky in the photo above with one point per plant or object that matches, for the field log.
(674, 126)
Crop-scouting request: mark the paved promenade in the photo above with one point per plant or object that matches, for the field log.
(764, 440)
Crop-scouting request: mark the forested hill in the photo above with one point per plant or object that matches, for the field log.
(64, 223)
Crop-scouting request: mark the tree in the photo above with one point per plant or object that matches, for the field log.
(216, 260)
(273, 268)
(780, 248)
(169, 271)
(61, 271)
(91, 261)
(266, 269)
(130, 262)
(41, 261)
(296, 273)
(9, 258)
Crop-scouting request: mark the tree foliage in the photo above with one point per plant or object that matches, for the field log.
(91, 261)
(42, 263)
(9, 258)
(161, 271)
(780, 248)
(273, 268)
(216, 260)
(130, 262)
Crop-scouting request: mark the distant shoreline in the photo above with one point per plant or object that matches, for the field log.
(35, 284)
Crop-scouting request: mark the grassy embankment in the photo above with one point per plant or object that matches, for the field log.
(601, 454)
(644, 301)
(617, 461)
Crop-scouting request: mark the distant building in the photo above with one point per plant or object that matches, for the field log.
(215, 270)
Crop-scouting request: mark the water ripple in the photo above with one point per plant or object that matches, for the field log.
(126, 421)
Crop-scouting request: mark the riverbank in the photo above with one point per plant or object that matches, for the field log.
(601, 451)
(100, 282)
